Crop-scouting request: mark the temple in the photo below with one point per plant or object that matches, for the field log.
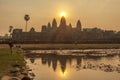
(65, 33)
(49, 33)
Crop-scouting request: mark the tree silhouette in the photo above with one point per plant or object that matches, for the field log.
(10, 30)
(27, 18)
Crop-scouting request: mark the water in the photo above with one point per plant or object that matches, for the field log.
(74, 67)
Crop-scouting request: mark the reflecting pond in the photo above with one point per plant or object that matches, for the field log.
(73, 67)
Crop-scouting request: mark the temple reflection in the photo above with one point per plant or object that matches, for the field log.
(32, 60)
(55, 60)
(63, 61)
(54, 64)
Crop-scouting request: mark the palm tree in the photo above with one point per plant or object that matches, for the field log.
(10, 31)
(27, 18)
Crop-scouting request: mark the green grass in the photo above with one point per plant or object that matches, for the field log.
(7, 60)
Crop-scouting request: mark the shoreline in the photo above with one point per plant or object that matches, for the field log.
(63, 46)
(15, 64)
(68, 46)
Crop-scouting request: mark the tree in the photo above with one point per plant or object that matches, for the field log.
(27, 18)
(10, 30)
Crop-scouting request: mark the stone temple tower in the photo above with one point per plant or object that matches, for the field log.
(62, 23)
(79, 26)
(49, 25)
(54, 24)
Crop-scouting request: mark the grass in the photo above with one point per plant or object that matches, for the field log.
(70, 46)
(7, 60)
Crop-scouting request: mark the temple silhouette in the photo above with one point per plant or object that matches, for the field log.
(64, 33)
(74, 61)
(55, 60)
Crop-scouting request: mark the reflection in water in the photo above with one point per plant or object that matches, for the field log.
(32, 60)
(53, 60)
(89, 63)
(73, 64)
(63, 74)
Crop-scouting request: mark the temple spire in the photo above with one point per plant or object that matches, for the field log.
(79, 26)
(63, 22)
(54, 24)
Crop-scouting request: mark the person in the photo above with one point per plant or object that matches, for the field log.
(11, 47)
(26, 77)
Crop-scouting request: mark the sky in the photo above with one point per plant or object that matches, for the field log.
(104, 14)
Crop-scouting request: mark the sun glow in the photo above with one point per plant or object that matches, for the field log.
(63, 74)
(63, 14)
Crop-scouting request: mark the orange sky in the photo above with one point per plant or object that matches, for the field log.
(104, 14)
